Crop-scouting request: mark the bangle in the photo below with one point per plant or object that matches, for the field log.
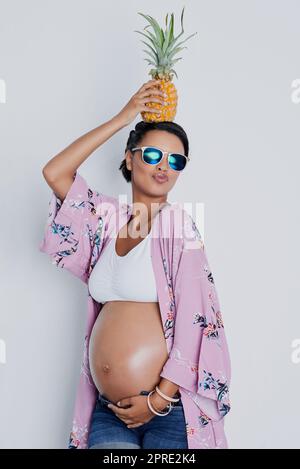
(161, 414)
(167, 398)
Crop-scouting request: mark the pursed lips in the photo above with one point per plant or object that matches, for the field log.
(160, 177)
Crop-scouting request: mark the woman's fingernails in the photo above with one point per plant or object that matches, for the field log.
(118, 403)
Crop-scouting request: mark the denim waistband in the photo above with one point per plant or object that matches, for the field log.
(104, 400)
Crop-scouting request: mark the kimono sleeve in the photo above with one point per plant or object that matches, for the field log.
(199, 358)
(75, 226)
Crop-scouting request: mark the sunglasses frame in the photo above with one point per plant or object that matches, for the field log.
(163, 152)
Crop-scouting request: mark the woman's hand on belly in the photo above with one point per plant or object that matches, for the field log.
(137, 414)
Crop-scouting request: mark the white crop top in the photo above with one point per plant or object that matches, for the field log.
(124, 278)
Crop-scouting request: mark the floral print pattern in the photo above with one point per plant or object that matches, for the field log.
(210, 330)
(76, 233)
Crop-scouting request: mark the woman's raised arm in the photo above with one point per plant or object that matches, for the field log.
(59, 171)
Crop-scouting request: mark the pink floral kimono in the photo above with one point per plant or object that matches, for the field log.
(76, 233)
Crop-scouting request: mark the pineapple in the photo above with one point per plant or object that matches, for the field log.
(163, 47)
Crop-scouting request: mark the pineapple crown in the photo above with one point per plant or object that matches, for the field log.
(163, 46)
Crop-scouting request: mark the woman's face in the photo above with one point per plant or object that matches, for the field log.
(142, 173)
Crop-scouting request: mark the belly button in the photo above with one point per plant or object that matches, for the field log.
(105, 368)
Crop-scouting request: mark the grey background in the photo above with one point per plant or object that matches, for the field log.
(72, 65)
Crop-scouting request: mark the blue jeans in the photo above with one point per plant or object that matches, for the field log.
(109, 431)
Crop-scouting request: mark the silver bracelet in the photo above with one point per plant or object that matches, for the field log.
(153, 410)
(164, 396)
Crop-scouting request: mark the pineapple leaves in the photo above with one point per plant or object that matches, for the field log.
(152, 39)
(155, 56)
(173, 42)
(176, 60)
(162, 45)
(158, 31)
(149, 62)
(172, 28)
(151, 55)
(182, 42)
(168, 34)
(182, 30)
(175, 51)
(154, 42)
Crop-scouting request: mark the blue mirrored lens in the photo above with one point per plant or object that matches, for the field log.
(152, 155)
(177, 161)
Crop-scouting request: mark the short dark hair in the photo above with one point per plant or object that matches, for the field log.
(136, 135)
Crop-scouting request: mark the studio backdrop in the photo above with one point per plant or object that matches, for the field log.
(69, 66)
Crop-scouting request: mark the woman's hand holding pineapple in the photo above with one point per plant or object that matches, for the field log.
(148, 93)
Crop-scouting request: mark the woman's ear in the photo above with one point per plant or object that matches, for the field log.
(128, 156)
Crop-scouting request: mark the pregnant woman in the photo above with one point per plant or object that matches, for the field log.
(136, 407)
(127, 346)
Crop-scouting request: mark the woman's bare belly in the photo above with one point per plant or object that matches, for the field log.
(127, 348)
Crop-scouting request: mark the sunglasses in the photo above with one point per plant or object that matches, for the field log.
(153, 155)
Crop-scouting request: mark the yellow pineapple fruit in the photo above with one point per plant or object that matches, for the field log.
(163, 47)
